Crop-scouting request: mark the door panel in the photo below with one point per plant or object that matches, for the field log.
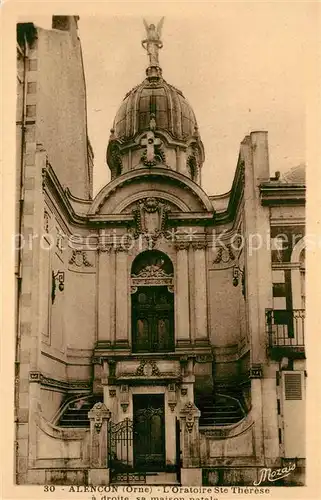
(153, 319)
(149, 432)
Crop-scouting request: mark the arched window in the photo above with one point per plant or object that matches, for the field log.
(152, 303)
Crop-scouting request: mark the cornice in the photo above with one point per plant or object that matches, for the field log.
(235, 196)
(51, 184)
(277, 193)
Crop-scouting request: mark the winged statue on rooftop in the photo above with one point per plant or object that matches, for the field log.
(152, 43)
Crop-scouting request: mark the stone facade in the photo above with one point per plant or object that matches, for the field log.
(153, 289)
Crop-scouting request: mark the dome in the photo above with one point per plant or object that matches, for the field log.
(155, 126)
(154, 96)
(296, 175)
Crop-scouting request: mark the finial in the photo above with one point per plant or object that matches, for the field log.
(152, 43)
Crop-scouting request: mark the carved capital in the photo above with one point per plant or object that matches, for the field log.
(203, 358)
(199, 245)
(104, 247)
(182, 245)
(98, 414)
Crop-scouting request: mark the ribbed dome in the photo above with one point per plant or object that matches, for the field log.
(296, 175)
(172, 111)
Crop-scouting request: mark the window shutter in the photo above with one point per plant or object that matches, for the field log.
(293, 386)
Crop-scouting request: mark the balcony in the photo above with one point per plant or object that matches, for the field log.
(285, 330)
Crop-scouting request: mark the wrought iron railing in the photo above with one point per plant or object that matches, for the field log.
(285, 328)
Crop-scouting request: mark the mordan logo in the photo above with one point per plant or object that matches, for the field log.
(267, 474)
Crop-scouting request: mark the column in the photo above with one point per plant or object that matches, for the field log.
(104, 294)
(122, 297)
(200, 304)
(182, 329)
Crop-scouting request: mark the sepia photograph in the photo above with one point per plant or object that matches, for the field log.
(160, 248)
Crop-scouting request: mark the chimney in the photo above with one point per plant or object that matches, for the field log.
(66, 23)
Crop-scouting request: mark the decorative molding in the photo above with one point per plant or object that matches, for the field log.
(190, 413)
(172, 405)
(184, 391)
(46, 220)
(204, 358)
(98, 414)
(149, 371)
(280, 193)
(153, 153)
(97, 360)
(124, 397)
(124, 406)
(199, 245)
(223, 254)
(147, 368)
(60, 240)
(154, 175)
(182, 245)
(79, 259)
(256, 371)
(104, 247)
(150, 217)
(151, 275)
(112, 393)
(36, 376)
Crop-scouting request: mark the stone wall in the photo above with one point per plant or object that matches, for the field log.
(61, 108)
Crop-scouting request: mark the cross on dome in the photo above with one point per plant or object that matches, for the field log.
(150, 141)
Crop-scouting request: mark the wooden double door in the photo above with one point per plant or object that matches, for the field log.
(153, 319)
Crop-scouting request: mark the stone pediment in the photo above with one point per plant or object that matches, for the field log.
(171, 186)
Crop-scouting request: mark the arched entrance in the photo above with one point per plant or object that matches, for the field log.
(152, 303)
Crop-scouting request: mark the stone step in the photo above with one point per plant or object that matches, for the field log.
(221, 411)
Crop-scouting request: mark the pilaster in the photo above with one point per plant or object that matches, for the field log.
(122, 297)
(104, 291)
(182, 296)
(200, 282)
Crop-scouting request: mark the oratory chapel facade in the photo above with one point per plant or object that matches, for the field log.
(157, 341)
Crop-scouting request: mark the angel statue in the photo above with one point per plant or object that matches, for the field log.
(152, 42)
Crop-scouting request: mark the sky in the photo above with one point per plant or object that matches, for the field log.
(242, 66)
